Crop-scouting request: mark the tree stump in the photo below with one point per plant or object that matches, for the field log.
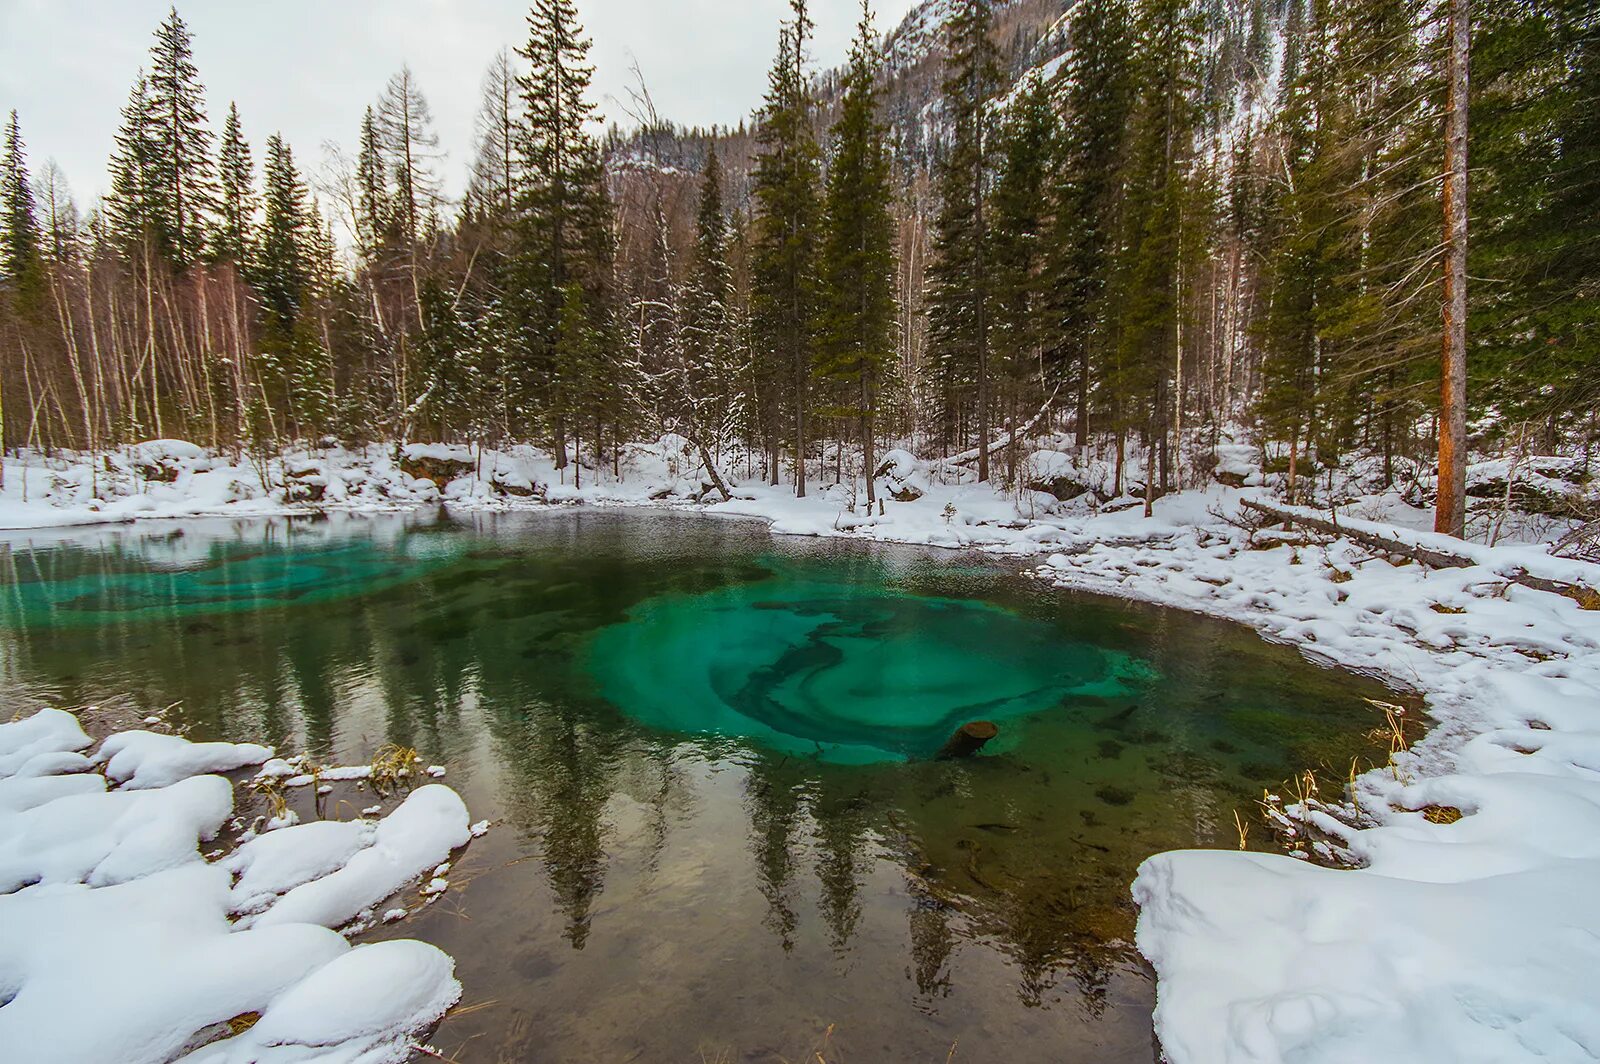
(968, 740)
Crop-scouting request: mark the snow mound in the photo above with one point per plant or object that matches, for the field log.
(118, 941)
(140, 759)
(116, 837)
(349, 1010)
(417, 836)
(279, 861)
(47, 732)
(1267, 959)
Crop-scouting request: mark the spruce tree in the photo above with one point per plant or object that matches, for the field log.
(1535, 206)
(784, 258)
(131, 209)
(283, 273)
(858, 305)
(182, 179)
(237, 200)
(1025, 144)
(1147, 278)
(21, 266)
(709, 348)
(563, 219)
(372, 208)
(961, 292)
(1087, 195)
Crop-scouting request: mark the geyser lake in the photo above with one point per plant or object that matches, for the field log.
(705, 749)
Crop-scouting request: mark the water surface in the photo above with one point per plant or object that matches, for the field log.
(706, 750)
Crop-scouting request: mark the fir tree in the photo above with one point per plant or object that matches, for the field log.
(857, 302)
(182, 181)
(563, 215)
(494, 173)
(131, 210)
(373, 209)
(20, 238)
(1020, 218)
(961, 288)
(237, 200)
(1147, 276)
(1535, 199)
(784, 266)
(283, 272)
(1087, 194)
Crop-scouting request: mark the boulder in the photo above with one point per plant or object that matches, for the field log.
(434, 464)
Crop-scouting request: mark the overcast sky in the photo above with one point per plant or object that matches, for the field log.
(308, 68)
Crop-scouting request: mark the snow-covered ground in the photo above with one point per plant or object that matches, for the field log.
(120, 941)
(1469, 939)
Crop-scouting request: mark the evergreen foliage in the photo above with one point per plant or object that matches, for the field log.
(857, 305)
(784, 280)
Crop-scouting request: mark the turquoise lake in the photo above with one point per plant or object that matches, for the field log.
(720, 833)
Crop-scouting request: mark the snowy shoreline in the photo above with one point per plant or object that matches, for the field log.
(120, 941)
(1457, 941)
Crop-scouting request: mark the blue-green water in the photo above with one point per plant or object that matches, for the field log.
(841, 671)
(706, 752)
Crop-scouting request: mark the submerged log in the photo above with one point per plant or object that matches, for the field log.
(1586, 597)
(968, 740)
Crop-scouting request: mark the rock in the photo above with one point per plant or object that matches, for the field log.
(1064, 489)
(439, 470)
(905, 493)
(159, 473)
(968, 740)
(305, 488)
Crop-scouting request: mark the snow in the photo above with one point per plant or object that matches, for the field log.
(348, 1010)
(1461, 941)
(47, 732)
(118, 941)
(418, 835)
(141, 759)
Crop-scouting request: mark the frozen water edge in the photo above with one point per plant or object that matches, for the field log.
(1468, 941)
(118, 941)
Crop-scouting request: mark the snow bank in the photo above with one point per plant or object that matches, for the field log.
(347, 1012)
(48, 732)
(119, 942)
(418, 835)
(140, 759)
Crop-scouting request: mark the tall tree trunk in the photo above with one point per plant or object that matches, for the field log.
(1450, 516)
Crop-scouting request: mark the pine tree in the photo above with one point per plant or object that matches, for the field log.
(131, 209)
(182, 179)
(563, 216)
(21, 266)
(1147, 278)
(373, 209)
(784, 267)
(857, 301)
(709, 366)
(235, 232)
(1025, 144)
(1535, 207)
(283, 273)
(961, 295)
(1087, 195)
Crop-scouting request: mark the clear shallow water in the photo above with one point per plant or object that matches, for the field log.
(705, 751)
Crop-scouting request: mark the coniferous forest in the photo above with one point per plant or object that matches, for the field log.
(1145, 223)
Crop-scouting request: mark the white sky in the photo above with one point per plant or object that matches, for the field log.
(308, 68)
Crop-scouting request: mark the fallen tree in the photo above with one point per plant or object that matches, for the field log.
(1432, 557)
